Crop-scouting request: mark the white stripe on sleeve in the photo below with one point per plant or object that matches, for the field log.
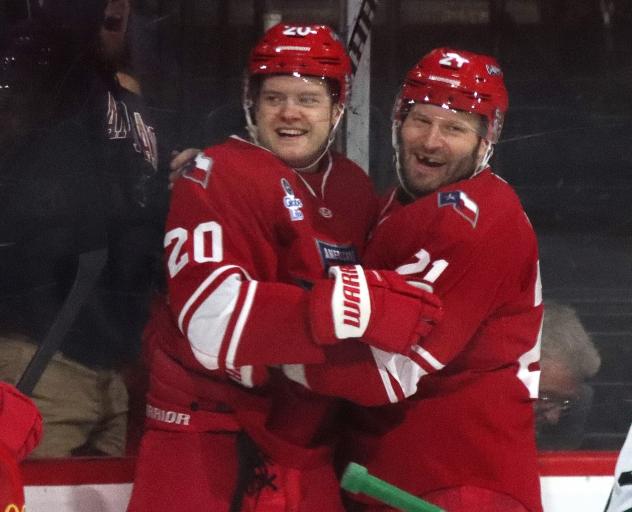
(209, 322)
(239, 326)
(401, 368)
(428, 357)
(194, 296)
(296, 372)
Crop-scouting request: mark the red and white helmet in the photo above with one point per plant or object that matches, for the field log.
(457, 80)
(299, 50)
(304, 50)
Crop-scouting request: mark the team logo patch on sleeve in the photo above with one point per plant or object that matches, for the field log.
(460, 203)
(291, 202)
(332, 254)
(200, 170)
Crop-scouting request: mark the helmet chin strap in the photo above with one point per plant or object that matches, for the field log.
(395, 128)
(250, 126)
(489, 151)
(330, 141)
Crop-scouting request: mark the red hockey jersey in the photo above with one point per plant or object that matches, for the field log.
(246, 236)
(470, 421)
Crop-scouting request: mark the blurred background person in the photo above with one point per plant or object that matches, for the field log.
(79, 174)
(568, 360)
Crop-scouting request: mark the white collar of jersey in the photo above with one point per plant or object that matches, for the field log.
(323, 182)
(237, 137)
(382, 217)
(330, 161)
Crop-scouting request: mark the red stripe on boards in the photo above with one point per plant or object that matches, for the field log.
(116, 470)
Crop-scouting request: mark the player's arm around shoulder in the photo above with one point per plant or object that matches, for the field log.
(220, 186)
(458, 241)
(360, 373)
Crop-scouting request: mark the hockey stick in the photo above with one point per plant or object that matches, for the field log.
(88, 270)
(360, 32)
(356, 479)
(357, 38)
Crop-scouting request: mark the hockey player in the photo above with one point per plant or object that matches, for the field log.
(465, 438)
(254, 227)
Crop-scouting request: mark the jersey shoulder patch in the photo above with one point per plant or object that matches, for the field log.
(200, 170)
(461, 203)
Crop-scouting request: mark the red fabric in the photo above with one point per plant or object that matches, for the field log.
(290, 482)
(20, 431)
(20, 422)
(468, 498)
(214, 405)
(471, 417)
(245, 238)
(79, 471)
(251, 236)
(11, 491)
(396, 314)
(471, 421)
(199, 472)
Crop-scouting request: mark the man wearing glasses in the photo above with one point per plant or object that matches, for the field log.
(568, 358)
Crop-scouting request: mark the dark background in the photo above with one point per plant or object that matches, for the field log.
(566, 146)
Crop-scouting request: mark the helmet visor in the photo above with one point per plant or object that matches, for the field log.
(450, 123)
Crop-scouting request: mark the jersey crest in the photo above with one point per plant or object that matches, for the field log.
(460, 203)
(332, 254)
(200, 171)
(291, 202)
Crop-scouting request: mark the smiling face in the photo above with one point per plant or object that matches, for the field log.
(438, 147)
(294, 116)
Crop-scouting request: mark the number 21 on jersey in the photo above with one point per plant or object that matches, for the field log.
(423, 260)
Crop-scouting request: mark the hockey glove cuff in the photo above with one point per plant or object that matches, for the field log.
(377, 306)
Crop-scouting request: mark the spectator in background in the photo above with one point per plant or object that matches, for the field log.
(567, 360)
(81, 176)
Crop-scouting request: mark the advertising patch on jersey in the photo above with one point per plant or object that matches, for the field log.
(291, 202)
(460, 203)
(332, 254)
(200, 170)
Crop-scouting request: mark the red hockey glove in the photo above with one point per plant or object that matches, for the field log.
(377, 306)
